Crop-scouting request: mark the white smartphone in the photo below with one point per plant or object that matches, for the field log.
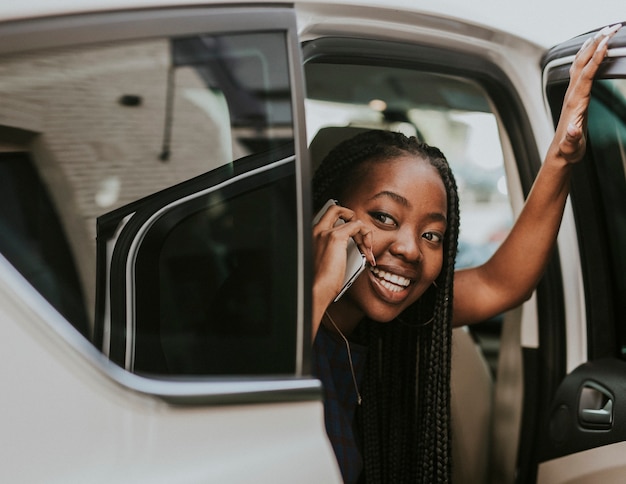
(355, 259)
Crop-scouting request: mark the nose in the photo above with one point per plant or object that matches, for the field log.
(406, 246)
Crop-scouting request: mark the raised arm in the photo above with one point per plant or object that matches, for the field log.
(508, 278)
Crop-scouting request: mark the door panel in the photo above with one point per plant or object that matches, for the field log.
(585, 428)
(603, 464)
(589, 409)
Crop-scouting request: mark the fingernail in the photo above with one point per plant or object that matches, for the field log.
(607, 31)
(602, 43)
(601, 33)
(587, 42)
(614, 29)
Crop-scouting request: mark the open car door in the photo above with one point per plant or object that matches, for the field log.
(205, 277)
(582, 436)
(174, 136)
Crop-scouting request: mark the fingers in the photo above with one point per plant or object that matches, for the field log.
(342, 224)
(364, 241)
(607, 31)
(335, 215)
(361, 234)
(574, 115)
(599, 40)
(592, 52)
(588, 60)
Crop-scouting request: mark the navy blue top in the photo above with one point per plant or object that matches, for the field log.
(332, 366)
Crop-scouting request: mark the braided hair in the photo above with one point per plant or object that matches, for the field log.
(405, 419)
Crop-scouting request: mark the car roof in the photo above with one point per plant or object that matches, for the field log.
(544, 23)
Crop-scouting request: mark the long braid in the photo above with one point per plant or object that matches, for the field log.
(441, 342)
(405, 417)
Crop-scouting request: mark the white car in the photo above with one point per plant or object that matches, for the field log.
(155, 167)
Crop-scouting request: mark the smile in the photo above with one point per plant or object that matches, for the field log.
(390, 281)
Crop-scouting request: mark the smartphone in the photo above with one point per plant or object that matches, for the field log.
(355, 259)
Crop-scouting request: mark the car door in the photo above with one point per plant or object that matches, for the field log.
(155, 251)
(582, 437)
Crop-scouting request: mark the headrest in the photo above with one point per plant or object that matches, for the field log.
(329, 137)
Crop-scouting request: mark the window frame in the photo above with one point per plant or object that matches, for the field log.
(538, 385)
(587, 204)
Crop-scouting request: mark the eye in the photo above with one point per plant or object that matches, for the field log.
(433, 237)
(383, 218)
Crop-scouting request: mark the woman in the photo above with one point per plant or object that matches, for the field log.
(388, 418)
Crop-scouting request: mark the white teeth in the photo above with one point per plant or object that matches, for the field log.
(391, 281)
(391, 287)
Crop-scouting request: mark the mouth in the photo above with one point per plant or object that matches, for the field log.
(390, 281)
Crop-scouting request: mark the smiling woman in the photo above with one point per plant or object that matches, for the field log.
(403, 210)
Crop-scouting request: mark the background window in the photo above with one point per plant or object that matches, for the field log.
(451, 113)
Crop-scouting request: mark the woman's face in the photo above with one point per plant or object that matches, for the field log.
(404, 202)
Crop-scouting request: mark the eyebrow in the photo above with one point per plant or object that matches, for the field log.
(437, 216)
(403, 201)
(394, 196)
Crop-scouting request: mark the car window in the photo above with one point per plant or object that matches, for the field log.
(607, 144)
(33, 239)
(95, 136)
(452, 113)
(203, 275)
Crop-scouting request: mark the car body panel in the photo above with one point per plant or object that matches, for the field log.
(558, 22)
(86, 410)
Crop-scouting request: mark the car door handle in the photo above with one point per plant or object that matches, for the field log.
(600, 416)
(595, 408)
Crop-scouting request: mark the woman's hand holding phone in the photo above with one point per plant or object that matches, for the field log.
(337, 260)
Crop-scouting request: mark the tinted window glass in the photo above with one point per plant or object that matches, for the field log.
(32, 239)
(607, 143)
(216, 286)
